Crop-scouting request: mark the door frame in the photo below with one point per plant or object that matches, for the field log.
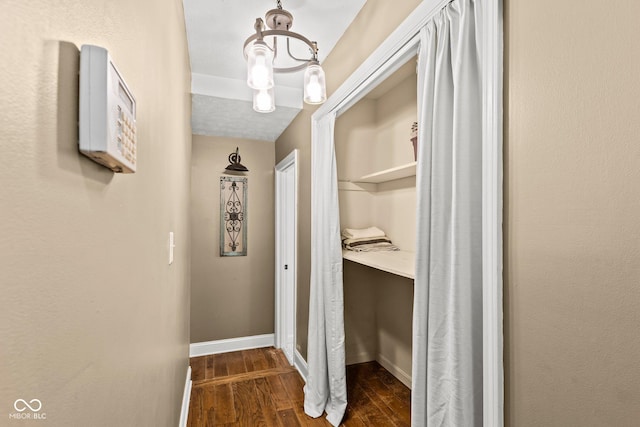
(281, 296)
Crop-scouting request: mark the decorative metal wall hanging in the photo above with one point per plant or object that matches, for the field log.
(233, 216)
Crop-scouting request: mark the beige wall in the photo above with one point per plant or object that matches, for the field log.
(572, 204)
(394, 209)
(231, 296)
(94, 322)
(374, 23)
(394, 316)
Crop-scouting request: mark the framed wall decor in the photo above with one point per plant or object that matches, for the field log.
(233, 216)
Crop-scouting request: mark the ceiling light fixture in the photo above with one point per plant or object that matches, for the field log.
(264, 58)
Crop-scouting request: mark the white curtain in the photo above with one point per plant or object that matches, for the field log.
(447, 324)
(326, 388)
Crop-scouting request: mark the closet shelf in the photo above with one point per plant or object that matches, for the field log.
(397, 172)
(401, 263)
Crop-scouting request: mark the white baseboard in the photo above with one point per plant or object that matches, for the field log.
(186, 398)
(395, 371)
(232, 344)
(301, 366)
(361, 357)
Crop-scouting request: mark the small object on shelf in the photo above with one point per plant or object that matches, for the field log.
(370, 239)
(359, 233)
(414, 139)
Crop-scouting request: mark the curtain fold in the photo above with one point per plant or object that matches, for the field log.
(326, 387)
(447, 323)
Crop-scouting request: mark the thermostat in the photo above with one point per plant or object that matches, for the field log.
(107, 113)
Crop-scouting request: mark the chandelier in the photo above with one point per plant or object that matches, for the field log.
(264, 57)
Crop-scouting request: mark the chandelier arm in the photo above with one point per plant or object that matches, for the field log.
(293, 57)
(284, 33)
(275, 48)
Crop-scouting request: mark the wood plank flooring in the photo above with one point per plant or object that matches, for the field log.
(257, 387)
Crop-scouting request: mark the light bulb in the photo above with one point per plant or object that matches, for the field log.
(264, 101)
(260, 73)
(259, 66)
(315, 91)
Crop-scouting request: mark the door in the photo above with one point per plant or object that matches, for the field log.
(286, 227)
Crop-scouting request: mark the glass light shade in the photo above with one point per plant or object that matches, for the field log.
(315, 90)
(259, 66)
(264, 100)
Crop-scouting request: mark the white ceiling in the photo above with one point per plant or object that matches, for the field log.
(216, 31)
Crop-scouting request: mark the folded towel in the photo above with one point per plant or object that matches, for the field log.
(361, 233)
(369, 245)
(365, 240)
(373, 247)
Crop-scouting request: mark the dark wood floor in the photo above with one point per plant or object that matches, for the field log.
(257, 387)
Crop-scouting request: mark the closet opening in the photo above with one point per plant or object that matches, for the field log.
(376, 169)
(344, 194)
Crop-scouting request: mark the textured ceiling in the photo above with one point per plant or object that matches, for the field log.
(236, 119)
(216, 31)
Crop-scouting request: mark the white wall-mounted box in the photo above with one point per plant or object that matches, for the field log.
(107, 113)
